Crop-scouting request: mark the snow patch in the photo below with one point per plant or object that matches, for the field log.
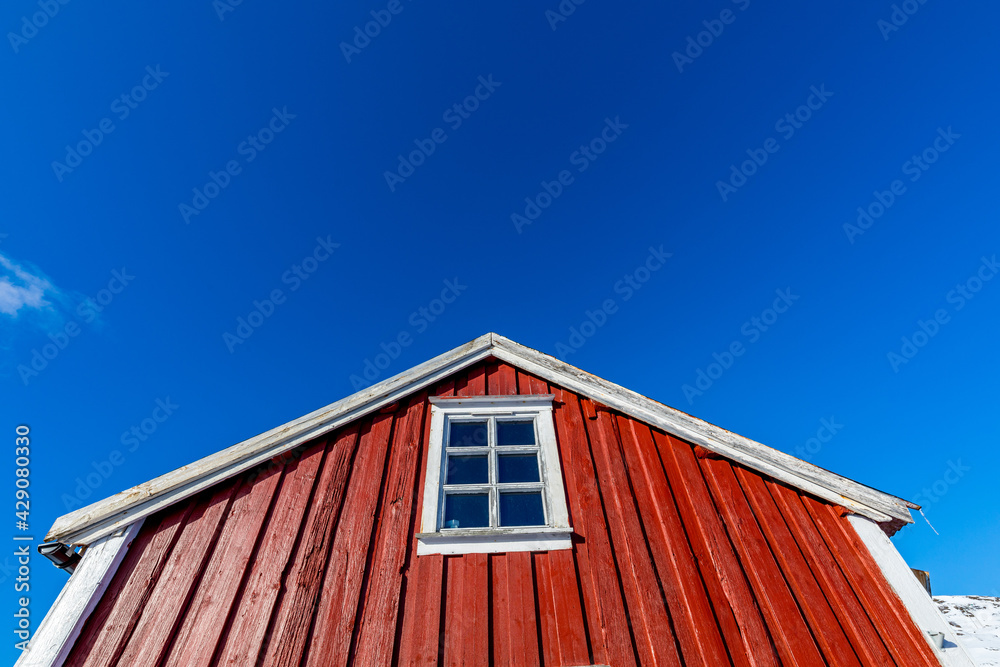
(976, 620)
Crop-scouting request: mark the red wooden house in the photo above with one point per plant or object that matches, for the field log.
(492, 506)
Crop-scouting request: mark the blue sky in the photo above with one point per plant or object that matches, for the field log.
(173, 169)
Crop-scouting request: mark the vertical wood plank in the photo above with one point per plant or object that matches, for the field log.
(506, 381)
(243, 641)
(734, 604)
(289, 630)
(570, 626)
(107, 630)
(476, 601)
(335, 616)
(500, 630)
(196, 640)
(454, 638)
(420, 632)
(651, 625)
(791, 634)
(376, 630)
(611, 642)
(169, 600)
(492, 376)
(812, 601)
(547, 622)
(694, 622)
(475, 383)
(523, 622)
(853, 617)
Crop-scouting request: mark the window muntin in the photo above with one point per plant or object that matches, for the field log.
(493, 481)
(496, 458)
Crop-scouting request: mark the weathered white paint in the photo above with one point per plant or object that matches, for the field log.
(433, 540)
(104, 517)
(494, 541)
(94, 521)
(55, 636)
(920, 605)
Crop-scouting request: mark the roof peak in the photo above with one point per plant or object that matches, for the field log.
(104, 517)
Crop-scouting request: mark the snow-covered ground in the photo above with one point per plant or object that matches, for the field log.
(976, 620)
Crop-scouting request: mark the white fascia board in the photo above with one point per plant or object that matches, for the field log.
(922, 609)
(59, 630)
(106, 516)
(834, 488)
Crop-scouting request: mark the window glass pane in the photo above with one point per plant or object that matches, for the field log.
(516, 433)
(468, 434)
(467, 470)
(517, 468)
(466, 510)
(521, 509)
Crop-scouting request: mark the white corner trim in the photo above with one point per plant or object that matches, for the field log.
(54, 638)
(920, 605)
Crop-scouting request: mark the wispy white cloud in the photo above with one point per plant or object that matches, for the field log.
(22, 288)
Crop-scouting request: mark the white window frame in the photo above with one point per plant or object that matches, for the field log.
(433, 538)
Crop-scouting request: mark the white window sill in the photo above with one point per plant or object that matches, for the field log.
(493, 540)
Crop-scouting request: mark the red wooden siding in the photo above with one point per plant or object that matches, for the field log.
(679, 558)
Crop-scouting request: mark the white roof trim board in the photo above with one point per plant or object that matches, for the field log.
(104, 517)
(59, 630)
(923, 611)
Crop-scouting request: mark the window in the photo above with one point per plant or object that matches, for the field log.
(493, 480)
